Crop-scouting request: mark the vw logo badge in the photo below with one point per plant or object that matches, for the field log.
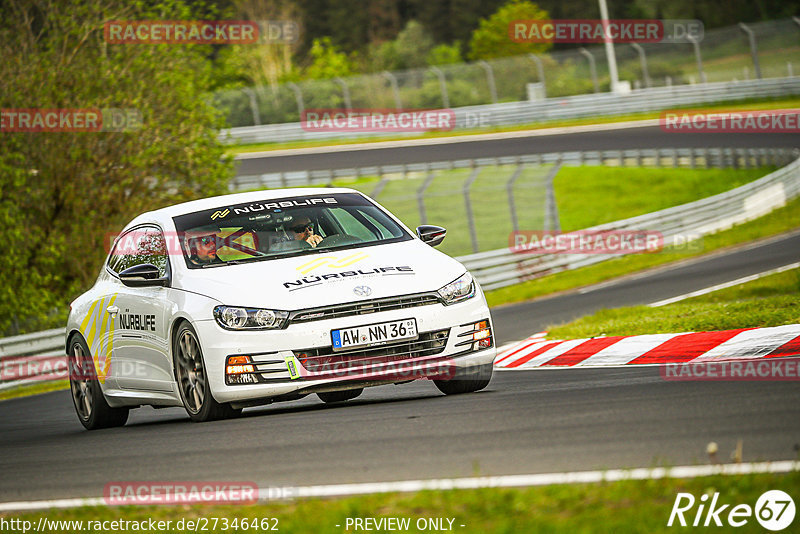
(362, 291)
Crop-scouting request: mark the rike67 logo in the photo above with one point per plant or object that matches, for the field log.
(774, 510)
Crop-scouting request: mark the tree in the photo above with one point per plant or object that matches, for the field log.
(263, 63)
(491, 39)
(63, 194)
(445, 54)
(410, 50)
(327, 61)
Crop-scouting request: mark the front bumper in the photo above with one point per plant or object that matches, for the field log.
(299, 359)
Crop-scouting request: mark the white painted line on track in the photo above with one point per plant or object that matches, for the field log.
(505, 481)
(725, 285)
(403, 143)
(688, 261)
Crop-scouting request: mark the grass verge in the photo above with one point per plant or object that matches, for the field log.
(770, 301)
(749, 104)
(620, 507)
(779, 221)
(588, 196)
(34, 389)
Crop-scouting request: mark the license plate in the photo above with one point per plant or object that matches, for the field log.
(374, 334)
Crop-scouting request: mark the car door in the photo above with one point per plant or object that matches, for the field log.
(97, 328)
(141, 344)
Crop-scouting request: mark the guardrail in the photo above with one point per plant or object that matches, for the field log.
(551, 109)
(32, 357)
(502, 267)
(40, 355)
(715, 157)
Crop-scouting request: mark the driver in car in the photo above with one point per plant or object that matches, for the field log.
(202, 247)
(303, 230)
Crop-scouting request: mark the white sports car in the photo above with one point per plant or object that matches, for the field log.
(251, 298)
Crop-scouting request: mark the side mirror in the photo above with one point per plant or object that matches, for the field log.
(143, 275)
(432, 235)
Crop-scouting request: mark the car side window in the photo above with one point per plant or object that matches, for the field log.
(140, 245)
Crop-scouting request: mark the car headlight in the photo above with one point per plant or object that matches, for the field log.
(237, 318)
(460, 289)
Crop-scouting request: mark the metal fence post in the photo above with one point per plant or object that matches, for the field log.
(251, 95)
(298, 95)
(551, 219)
(751, 36)
(643, 63)
(393, 81)
(698, 58)
(510, 190)
(442, 86)
(470, 218)
(490, 79)
(382, 179)
(345, 92)
(540, 71)
(423, 216)
(592, 67)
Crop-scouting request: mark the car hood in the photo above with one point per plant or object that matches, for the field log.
(326, 277)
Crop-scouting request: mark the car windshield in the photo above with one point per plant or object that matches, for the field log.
(278, 228)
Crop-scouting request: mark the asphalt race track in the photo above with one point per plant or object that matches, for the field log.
(641, 137)
(524, 422)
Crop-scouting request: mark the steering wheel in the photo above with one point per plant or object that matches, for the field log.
(338, 239)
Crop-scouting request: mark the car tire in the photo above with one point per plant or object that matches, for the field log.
(87, 395)
(192, 381)
(339, 396)
(466, 381)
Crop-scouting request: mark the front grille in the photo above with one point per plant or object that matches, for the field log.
(323, 361)
(363, 307)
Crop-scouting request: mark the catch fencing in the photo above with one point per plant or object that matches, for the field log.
(722, 55)
(551, 109)
(502, 267)
(491, 197)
